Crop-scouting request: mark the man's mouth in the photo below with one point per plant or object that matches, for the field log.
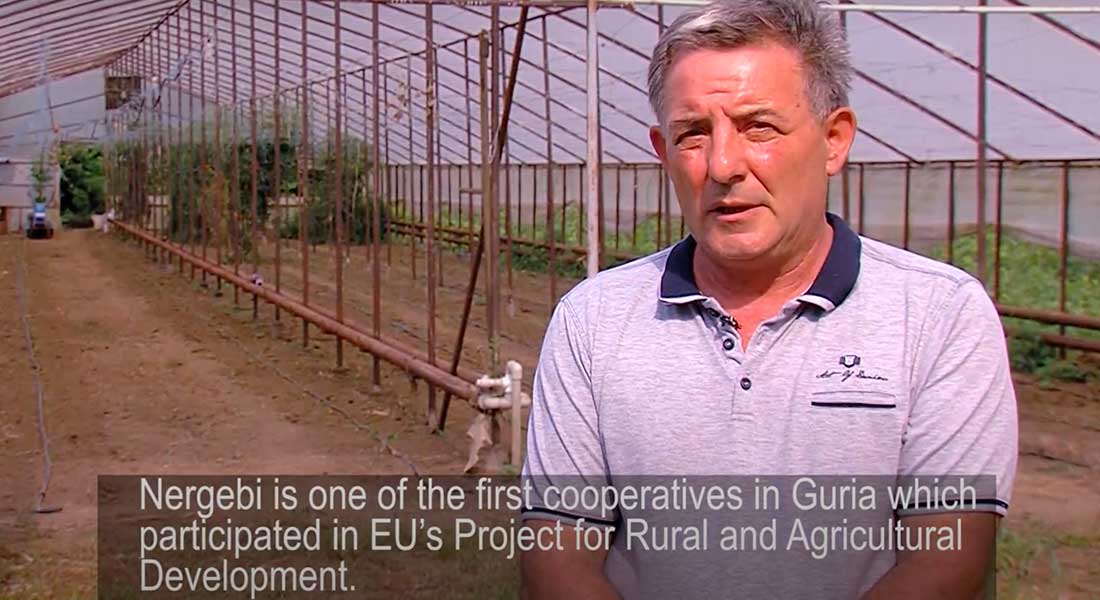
(731, 212)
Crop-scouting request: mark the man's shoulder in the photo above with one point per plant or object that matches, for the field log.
(893, 261)
(926, 284)
(619, 288)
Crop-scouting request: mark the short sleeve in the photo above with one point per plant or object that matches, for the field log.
(563, 440)
(963, 419)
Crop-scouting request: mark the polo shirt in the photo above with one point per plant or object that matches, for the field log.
(889, 364)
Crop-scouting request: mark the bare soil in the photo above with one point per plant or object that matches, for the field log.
(149, 372)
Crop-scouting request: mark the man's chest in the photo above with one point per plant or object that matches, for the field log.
(807, 400)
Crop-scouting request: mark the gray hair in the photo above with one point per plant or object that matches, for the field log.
(800, 25)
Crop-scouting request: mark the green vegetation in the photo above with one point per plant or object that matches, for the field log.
(1029, 277)
(569, 231)
(1029, 273)
(357, 205)
(1029, 354)
(81, 183)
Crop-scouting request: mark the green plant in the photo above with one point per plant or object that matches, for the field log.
(1027, 352)
(39, 175)
(356, 201)
(81, 181)
(1029, 277)
(320, 215)
(1063, 370)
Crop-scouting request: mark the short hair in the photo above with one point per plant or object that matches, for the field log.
(800, 25)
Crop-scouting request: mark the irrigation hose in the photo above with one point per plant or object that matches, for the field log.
(36, 369)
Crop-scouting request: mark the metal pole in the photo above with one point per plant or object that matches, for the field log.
(634, 212)
(254, 242)
(508, 228)
(412, 160)
(338, 188)
(552, 267)
(1063, 247)
(666, 193)
(494, 72)
(376, 226)
(469, 141)
(846, 193)
(862, 204)
(488, 215)
(191, 200)
(303, 170)
(660, 204)
(236, 180)
(618, 201)
(997, 231)
(430, 148)
(140, 64)
(486, 241)
(277, 186)
(534, 200)
(393, 180)
(593, 160)
(179, 140)
(439, 168)
(905, 226)
(981, 166)
(951, 212)
(158, 216)
(205, 166)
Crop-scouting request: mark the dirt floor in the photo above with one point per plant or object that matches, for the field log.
(148, 372)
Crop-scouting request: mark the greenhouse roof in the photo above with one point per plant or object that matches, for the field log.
(915, 89)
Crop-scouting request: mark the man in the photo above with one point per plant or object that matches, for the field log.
(772, 340)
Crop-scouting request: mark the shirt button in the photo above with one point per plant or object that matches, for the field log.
(746, 383)
(728, 344)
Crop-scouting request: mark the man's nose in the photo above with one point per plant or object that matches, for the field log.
(726, 163)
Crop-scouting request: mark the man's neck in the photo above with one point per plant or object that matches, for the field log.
(763, 287)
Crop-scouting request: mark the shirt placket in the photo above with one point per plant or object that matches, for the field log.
(728, 338)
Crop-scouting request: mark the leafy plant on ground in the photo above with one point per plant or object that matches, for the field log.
(1029, 277)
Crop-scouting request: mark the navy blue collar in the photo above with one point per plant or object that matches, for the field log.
(833, 283)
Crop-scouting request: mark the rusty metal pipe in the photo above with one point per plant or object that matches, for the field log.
(486, 231)
(453, 384)
(1053, 317)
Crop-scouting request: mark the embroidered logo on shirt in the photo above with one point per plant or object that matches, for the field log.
(849, 362)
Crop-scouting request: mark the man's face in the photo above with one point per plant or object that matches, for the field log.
(748, 158)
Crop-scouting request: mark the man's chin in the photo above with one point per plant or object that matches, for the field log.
(738, 248)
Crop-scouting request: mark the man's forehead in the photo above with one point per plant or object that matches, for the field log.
(755, 77)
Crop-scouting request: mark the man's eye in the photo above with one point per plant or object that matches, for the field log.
(692, 136)
(759, 131)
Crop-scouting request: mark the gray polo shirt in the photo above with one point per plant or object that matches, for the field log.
(889, 364)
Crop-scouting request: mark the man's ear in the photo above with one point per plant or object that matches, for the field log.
(840, 132)
(657, 139)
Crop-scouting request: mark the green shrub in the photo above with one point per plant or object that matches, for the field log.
(1062, 370)
(81, 181)
(320, 222)
(1028, 352)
